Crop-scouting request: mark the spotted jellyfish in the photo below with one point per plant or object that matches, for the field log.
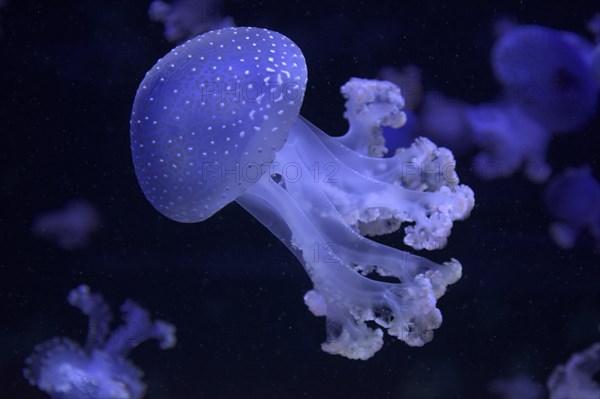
(217, 120)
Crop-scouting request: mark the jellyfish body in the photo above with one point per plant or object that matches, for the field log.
(443, 120)
(99, 369)
(520, 386)
(70, 227)
(576, 378)
(573, 200)
(509, 140)
(543, 71)
(319, 194)
(184, 19)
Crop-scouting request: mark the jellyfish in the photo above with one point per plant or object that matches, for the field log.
(520, 386)
(576, 378)
(573, 200)
(544, 72)
(444, 121)
(99, 369)
(508, 140)
(217, 120)
(184, 19)
(70, 227)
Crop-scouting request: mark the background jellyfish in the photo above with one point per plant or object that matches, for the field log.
(184, 19)
(560, 92)
(518, 387)
(538, 99)
(575, 379)
(99, 369)
(509, 140)
(573, 200)
(444, 121)
(216, 120)
(70, 227)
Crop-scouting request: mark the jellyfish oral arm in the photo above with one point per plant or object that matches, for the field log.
(304, 213)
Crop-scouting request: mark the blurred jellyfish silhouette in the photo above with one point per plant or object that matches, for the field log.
(184, 19)
(573, 200)
(444, 121)
(70, 227)
(548, 86)
(100, 369)
(593, 26)
(576, 378)
(517, 387)
(503, 23)
(546, 74)
(509, 140)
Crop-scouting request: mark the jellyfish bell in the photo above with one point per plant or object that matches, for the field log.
(197, 145)
(210, 114)
(543, 71)
(573, 200)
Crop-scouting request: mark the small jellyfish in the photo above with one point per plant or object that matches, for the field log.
(70, 227)
(408, 79)
(594, 28)
(545, 74)
(573, 200)
(519, 386)
(576, 378)
(99, 369)
(503, 23)
(509, 140)
(444, 121)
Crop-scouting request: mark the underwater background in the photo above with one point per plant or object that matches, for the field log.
(70, 71)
